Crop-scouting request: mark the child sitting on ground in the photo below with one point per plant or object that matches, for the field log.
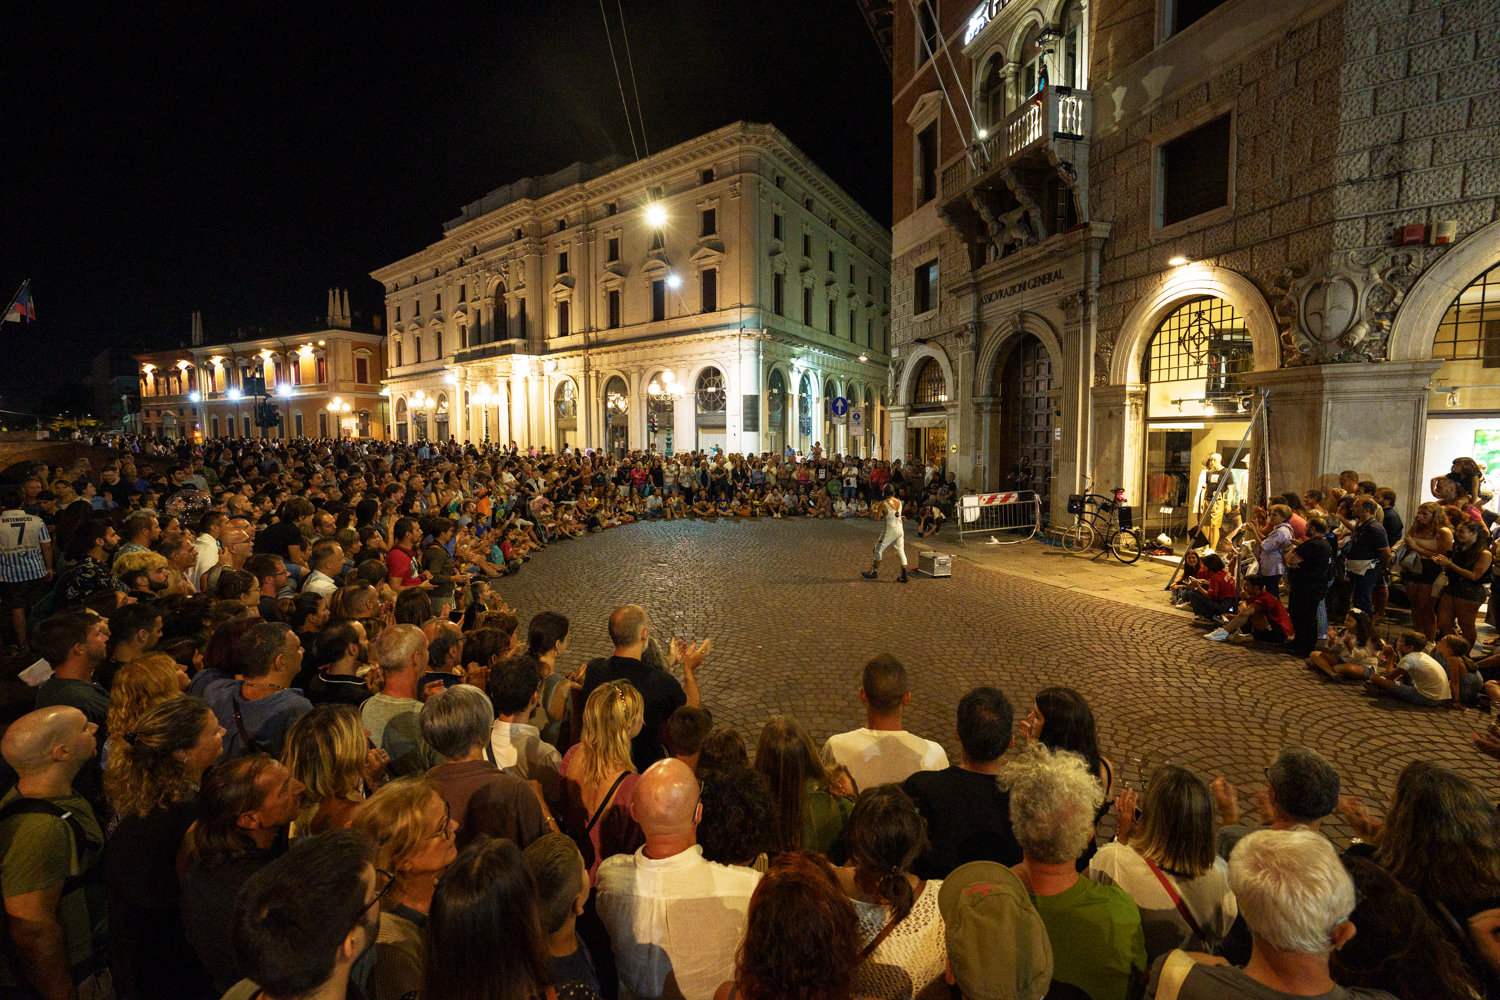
(722, 508)
(932, 519)
(1350, 653)
(1416, 677)
(742, 506)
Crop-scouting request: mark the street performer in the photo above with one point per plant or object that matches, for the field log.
(894, 533)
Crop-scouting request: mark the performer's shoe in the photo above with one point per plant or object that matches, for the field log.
(874, 572)
(903, 575)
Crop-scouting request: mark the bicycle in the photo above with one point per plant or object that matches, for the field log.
(1105, 524)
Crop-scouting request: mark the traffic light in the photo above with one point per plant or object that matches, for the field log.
(267, 414)
(653, 423)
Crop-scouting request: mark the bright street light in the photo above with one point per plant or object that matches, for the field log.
(284, 391)
(233, 394)
(656, 216)
(194, 397)
(674, 281)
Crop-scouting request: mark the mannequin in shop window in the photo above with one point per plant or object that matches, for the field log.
(1212, 491)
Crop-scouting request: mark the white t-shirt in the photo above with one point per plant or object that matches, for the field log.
(1427, 676)
(883, 757)
(1207, 898)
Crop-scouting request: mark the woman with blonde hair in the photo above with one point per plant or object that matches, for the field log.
(1429, 536)
(328, 752)
(138, 687)
(599, 777)
(414, 837)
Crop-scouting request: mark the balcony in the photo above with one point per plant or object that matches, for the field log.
(1026, 180)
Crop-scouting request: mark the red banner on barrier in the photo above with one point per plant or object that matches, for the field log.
(993, 499)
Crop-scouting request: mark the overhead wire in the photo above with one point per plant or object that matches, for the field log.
(618, 81)
(631, 63)
(927, 46)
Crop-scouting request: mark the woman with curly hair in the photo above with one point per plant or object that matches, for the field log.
(1430, 536)
(327, 751)
(140, 686)
(801, 936)
(152, 784)
(810, 814)
(599, 777)
(739, 817)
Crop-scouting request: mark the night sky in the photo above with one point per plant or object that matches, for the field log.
(240, 159)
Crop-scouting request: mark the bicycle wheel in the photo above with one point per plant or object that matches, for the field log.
(1126, 545)
(1078, 538)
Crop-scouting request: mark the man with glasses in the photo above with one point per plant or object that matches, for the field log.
(304, 920)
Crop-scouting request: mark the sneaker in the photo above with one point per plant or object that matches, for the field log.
(1217, 635)
(1240, 638)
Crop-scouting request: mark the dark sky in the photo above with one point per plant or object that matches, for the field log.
(240, 158)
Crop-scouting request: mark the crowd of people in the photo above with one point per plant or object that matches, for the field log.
(281, 738)
(1316, 575)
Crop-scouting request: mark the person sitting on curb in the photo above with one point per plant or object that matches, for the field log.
(1415, 677)
(1262, 612)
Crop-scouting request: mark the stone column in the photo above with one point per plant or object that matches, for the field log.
(964, 461)
(1119, 439)
(898, 434)
(1372, 418)
(987, 474)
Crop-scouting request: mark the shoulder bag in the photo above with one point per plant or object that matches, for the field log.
(586, 842)
(1182, 908)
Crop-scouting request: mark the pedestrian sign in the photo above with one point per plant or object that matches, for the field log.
(856, 421)
(840, 408)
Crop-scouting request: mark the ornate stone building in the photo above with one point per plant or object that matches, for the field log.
(721, 293)
(1183, 202)
(324, 379)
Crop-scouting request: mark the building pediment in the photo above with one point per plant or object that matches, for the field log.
(618, 268)
(708, 252)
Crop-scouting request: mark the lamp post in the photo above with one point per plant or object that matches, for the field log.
(338, 407)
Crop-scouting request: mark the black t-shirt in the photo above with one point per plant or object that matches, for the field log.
(1311, 575)
(336, 689)
(968, 819)
(208, 893)
(660, 691)
(276, 539)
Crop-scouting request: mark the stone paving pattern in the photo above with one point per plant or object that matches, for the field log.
(792, 624)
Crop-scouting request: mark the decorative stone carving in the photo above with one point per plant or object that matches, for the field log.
(965, 334)
(1340, 310)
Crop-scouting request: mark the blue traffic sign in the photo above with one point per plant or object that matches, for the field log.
(840, 406)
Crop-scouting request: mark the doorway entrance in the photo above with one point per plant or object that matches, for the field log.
(1025, 385)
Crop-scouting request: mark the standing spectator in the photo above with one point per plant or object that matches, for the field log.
(392, 716)
(801, 936)
(483, 800)
(1274, 540)
(286, 538)
(245, 807)
(258, 710)
(516, 746)
(599, 776)
(327, 562)
(401, 560)
(155, 766)
(343, 650)
(1307, 575)
(133, 629)
(811, 808)
(1301, 789)
(687, 728)
(996, 942)
(1369, 553)
(1430, 536)
(1097, 941)
(25, 560)
(675, 920)
(1467, 568)
(629, 631)
(1297, 898)
(206, 545)
(437, 561)
(900, 928)
(271, 578)
(50, 845)
(739, 817)
(89, 547)
(303, 920)
(75, 643)
(327, 752)
(966, 811)
(1166, 862)
(883, 752)
(562, 889)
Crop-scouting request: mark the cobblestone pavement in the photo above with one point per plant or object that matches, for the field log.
(792, 623)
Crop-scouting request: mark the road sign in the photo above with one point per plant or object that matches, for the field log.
(856, 421)
(840, 408)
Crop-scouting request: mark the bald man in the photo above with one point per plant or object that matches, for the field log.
(629, 631)
(674, 919)
(50, 847)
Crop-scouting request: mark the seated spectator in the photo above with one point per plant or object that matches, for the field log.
(900, 929)
(245, 806)
(50, 849)
(155, 767)
(1350, 653)
(723, 749)
(801, 935)
(883, 752)
(414, 841)
(996, 942)
(674, 919)
(304, 920)
(967, 813)
(1061, 719)
(1212, 594)
(1302, 789)
(1416, 677)
(810, 813)
(562, 889)
(1297, 899)
(687, 728)
(483, 800)
(327, 752)
(488, 896)
(1166, 862)
(599, 776)
(516, 745)
(257, 711)
(1097, 942)
(739, 817)
(1260, 616)
(392, 717)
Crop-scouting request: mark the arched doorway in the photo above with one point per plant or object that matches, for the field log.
(1197, 404)
(1025, 385)
(711, 409)
(565, 403)
(776, 413)
(661, 410)
(616, 413)
(401, 433)
(1461, 421)
(440, 418)
(804, 415)
(927, 427)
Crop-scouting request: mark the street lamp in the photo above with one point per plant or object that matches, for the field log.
(656, 216)
(338, 407)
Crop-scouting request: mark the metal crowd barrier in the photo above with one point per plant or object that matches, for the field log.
(1008, 517)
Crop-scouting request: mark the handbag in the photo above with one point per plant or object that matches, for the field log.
(1438, 584)
(1411, 559)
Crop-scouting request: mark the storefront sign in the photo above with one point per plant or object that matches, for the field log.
(1021, 286)
(983, 14)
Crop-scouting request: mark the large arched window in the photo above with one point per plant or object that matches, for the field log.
(1197, 358)
(566, 398)
(711, 394)
(932, 388)
(1071, 71)
(500, 325)
(776, 412)
(1470, 329)
(804, 407)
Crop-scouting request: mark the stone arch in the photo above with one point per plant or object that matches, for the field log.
(1035, 17)
(914, 362)
(1414, 329)
(997, 345)
(1180, 285)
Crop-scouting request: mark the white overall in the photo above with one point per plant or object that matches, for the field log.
(894, 533)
